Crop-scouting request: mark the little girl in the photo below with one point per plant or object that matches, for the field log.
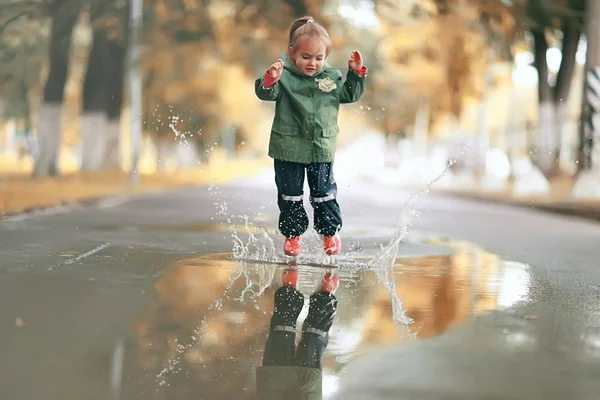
(308, 94)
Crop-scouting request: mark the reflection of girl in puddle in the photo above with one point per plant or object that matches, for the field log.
(200, 340)
(287, 371)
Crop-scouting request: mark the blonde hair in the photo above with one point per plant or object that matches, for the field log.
(306, 26)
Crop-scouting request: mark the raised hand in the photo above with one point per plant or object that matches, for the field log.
(355, 62)
(276, 69)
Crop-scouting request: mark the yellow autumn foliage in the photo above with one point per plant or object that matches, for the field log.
(422, 49)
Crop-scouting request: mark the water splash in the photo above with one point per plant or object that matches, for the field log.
(408, 213)
(257, 280)
(388, 254)
(259, 247)
(173, 362)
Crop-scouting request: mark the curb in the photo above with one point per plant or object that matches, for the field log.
(85, 202)
(95, 200)
(568, 209)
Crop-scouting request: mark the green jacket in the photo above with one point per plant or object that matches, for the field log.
(305, 126)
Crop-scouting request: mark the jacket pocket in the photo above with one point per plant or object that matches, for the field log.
(331, 131)
(286, 130)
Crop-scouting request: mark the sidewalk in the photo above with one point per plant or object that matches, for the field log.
(559, 201)
(19, 192)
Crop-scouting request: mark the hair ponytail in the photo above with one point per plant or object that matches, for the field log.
(306, 26)
(297, 24)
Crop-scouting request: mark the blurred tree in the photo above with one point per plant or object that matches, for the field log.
(13, 12)
(200, 56)
(432, 51)
(63, 15)
(589, 129)
(203, 53)
(180, 42)
(184, 42)
(440, 50)
(560, 21)
(103, 85)
(22, 45)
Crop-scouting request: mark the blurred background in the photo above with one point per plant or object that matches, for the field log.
(89, 92)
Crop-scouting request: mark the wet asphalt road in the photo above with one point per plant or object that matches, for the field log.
(137, 298)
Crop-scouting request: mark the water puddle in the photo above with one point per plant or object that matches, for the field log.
(205, 335)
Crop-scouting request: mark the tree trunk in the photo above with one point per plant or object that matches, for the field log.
(164, 151)
(592, 87)
(588, 181)
(571, 36)
(391, 142)
(570, 43)
(561, 117)
(552, 112)
(112, 155)
(96, 94)
(547, 143)
(483, 134)
(421, 128)
(584, 149)
(49, 129)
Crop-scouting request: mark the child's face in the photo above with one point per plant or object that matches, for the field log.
(310, 55)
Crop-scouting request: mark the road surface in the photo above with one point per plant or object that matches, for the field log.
(138, 298)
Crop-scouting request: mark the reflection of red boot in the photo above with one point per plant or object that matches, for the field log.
(290, 277)
(330, 283)
(291, 246)
(332, 245)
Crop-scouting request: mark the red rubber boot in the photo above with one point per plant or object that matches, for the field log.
(289, 277)
(330, 283)
(291, 246)
(332, 245)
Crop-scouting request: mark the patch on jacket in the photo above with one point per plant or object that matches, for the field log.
(326, 84)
